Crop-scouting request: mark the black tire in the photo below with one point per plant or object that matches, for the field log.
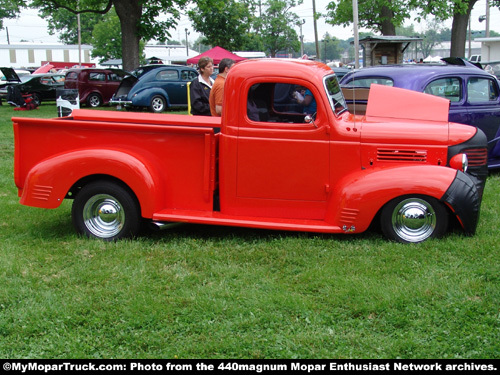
(94, 100)
(36, 99)
(106, 210)
(158, 104)
(413, 219)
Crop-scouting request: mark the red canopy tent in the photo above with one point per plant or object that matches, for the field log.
(217, 54)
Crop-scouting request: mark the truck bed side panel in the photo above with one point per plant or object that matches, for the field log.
(178, 160)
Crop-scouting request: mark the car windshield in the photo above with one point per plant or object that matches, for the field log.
(337, 100)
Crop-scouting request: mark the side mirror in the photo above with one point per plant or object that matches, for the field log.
(310, 119)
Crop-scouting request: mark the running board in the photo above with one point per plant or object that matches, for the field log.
(216, 218)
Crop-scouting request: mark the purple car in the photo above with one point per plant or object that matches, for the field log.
(473, 93)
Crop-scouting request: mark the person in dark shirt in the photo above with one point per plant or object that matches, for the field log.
(200, 87)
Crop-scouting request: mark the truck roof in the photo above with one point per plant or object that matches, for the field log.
(279, 68)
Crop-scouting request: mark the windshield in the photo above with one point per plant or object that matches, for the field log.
(337, 100)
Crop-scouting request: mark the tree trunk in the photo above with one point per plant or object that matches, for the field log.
(129, 12)
(386, 26)
(459, 31)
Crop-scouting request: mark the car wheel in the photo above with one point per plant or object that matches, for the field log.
(35, 98)
(412, 219)
(158, 104)
(94, 100)
(106, 210)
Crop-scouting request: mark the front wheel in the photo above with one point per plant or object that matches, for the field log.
(106, 210)
(412, 219)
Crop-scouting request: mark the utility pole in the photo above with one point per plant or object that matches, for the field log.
(356, 33)
(187, 43)
(301, 37)
(315, 29)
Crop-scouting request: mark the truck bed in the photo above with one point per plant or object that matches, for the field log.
(175, 153)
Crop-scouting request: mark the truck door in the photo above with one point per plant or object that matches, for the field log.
(283, 160)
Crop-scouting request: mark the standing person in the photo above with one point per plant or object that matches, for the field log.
(200, 87)
(217, 92)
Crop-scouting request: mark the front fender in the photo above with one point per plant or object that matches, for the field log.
(359, 196)
(48, 182)
(143, 97)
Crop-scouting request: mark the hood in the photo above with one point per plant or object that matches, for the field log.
(403, 104)
(10, 75)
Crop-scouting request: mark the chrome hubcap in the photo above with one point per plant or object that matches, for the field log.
(94, 101)
(103, 216)
(157, 104)
(414, 220)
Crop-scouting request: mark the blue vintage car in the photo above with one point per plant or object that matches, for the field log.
(473, 93)
(156, 87)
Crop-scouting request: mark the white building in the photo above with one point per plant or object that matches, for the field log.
(169, 54)
(490, 49)
(28, 55)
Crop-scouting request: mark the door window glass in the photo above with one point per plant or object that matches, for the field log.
(168, 75)
(448, 88)
(481, 90)
(280, 102)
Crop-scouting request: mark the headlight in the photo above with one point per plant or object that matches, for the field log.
(460, 162)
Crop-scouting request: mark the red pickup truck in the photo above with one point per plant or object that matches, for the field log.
(264, 164)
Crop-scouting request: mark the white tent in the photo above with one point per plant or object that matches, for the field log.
(429, 59)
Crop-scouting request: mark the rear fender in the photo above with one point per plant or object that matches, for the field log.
(359, 196)
(49, 182)
(143, 97)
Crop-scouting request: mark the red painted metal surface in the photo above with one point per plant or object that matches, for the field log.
(328, 176)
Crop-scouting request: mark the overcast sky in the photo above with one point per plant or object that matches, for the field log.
(32, 28)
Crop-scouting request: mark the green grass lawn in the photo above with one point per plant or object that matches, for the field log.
(197, 291)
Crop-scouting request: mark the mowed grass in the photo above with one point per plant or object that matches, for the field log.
(195, 291)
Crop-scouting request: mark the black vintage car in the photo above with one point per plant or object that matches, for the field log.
(39, 86)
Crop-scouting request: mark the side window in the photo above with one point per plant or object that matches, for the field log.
(188, 75)
(96, 76)
(280, 103)
(481, 90)
(367, 81)
(72, 75)
(449, 88)
(114, 77)
(167, 75)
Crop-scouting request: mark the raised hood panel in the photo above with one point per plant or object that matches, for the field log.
(393, 102)
(10, 75)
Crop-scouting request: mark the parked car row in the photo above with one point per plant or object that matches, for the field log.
(156, 87)
(474, 94)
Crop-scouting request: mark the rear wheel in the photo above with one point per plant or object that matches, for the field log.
(106, 210)
(94, 100)
(158, 104)
(412, 219)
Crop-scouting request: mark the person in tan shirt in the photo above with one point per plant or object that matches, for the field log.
(217, 92)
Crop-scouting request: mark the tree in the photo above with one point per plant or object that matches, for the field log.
(223, 23)
(378, 15)
(65, 23)
(276, 25)
(331, 48)
(139, 20)
(106, 42)
(9, 9)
